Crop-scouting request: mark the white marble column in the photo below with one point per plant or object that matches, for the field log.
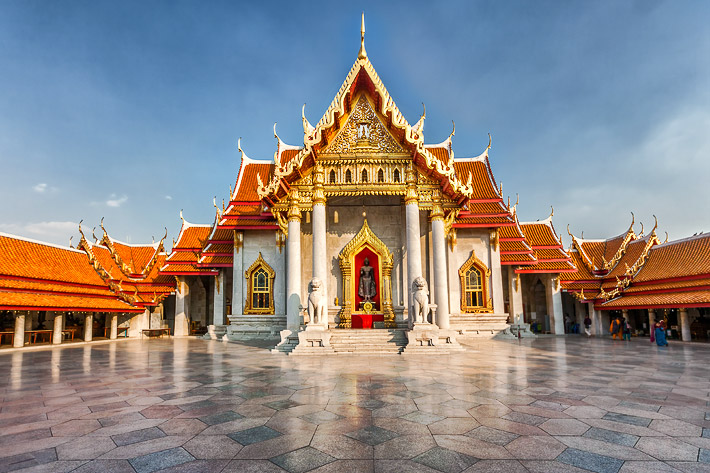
(238, 275)
(88, 327)
(440, 280)
(515, 293)
(554, 306)
(684, 325)
(496, 282)
(19, 340)
(414, 247)
(57, 327)
(320, 254)
(293, 265)
(182, 304)
(219, 307)
(113, 332)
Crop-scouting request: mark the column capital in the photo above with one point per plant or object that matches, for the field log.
(318, 182)
(294, 211)
(437, 212)
(412, 196)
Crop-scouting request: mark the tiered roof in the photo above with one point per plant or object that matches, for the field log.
(633, 271)
(130, 271)
(185, 256)
(673, 274)
(547, 249)
(40, 276)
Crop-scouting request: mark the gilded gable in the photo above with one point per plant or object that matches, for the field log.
(363, 133)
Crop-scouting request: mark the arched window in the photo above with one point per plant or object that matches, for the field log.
(473, 287)
(332, 177)
(364, 175)
(348, 176)
(396, 175)
(336, 218)
(260, 288)
(474, 277)
(380, 176)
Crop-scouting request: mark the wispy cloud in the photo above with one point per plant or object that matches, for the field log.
(57, 232)
(115, 201)
(168, 197)
(41, 187)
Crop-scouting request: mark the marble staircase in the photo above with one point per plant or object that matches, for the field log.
(480, 325)
(368, 341)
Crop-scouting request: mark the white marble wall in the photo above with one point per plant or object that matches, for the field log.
(468, 240)
(264, 242)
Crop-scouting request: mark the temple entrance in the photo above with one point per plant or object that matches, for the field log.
(366, 268)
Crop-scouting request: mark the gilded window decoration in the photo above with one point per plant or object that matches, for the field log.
(348, 176)
(260, 288)
(396, 175)
(364, 175)
(380, 175)
(475, 294)
(332, 177)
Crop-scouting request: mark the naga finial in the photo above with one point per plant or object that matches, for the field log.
(666, 238)
(72, 237)
(96, 240)
(453, 129)
(490, 141)
(641, 233)
(552, 212)
(182, 218)
(569, 232)
(655, 225)
(102, 226)
(362, 54)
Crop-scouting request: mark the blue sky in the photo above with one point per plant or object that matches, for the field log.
(131, 110)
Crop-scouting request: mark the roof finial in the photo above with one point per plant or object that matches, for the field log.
(490, 141)
(182, 218)
(453, 129)
(552, 212)
(72, 237)
(362, 54)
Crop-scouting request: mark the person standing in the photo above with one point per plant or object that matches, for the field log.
(587, 326)
(660, 333)
(626, 330)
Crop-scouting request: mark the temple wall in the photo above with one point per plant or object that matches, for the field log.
(264, 242)
(468, 240)
(386, 219)
(198, 300)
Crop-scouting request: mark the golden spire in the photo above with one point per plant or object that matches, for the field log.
(362, 54)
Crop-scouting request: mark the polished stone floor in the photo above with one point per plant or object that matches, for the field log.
(547, 405)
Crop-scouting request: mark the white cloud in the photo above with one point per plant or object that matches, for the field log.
(168, 197)
(53, 232)
(115, 201)
(41, 187)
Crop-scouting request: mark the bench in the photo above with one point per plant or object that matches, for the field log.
(155, 332)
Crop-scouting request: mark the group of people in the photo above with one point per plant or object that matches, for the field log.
(620, 328)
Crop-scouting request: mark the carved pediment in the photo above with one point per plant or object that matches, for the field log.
(363, 133)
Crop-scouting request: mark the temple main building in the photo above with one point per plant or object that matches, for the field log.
(363, 226)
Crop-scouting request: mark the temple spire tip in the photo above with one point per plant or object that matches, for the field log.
(362, 54)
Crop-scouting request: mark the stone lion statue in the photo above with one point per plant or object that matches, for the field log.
(420, 297)
(316, 303)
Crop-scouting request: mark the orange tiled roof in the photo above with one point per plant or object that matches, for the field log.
(483, 221)
(540, 234)
(672, 300)
(247, 182)
(484, 186)
(61, 302)
(582, 274)
(192, 236)
(517, 259)
(668, 286)
(676, 259)
(40, 276)
(439, 152)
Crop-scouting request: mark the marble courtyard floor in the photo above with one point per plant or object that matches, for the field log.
(552, 404)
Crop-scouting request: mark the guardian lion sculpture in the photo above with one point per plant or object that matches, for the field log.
(316, 304)
(420, 297)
